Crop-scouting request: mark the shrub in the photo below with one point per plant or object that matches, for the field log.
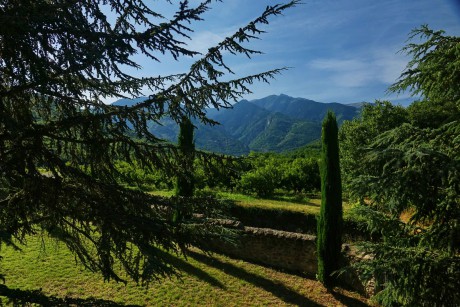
(261, 181)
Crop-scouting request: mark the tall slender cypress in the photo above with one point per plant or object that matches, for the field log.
(185, 183)
(329, 240)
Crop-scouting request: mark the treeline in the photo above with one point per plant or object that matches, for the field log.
(259, 174)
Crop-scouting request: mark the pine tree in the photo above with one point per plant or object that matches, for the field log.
(59, 141)
(329, 240)
(413, 168)
(185, 182)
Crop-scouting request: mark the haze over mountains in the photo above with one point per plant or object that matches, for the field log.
(275, 123)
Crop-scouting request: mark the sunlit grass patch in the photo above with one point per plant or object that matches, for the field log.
(209, 280)
(307, 205)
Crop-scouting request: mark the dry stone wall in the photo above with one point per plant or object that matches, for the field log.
(285, 250)
(281, 249)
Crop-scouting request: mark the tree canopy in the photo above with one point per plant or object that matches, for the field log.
(433, 71)
(59, 142)
(407, 176)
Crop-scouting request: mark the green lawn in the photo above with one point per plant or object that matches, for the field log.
(281, 202)
(205, 280)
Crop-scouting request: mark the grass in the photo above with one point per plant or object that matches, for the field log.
(279, 202)
(290, 204)
(205, 280)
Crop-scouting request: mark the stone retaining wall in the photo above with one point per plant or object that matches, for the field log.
(281, 249)
(285, 250)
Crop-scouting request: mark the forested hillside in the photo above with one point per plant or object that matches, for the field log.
(275, 123)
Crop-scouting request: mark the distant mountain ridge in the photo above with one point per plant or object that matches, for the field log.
(275, 123)
(305, 109)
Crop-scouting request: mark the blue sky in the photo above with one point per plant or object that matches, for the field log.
(338, 50)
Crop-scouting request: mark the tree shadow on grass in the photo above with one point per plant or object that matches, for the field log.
(17, 297)
(279, 290)
(184, 266)
(346, 300)
(296, 199)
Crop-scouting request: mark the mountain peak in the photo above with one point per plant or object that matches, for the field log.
(304, 109)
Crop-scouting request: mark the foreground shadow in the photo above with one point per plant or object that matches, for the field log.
(300, 201)
(184, 266)
(347, 301)
(281, 291)
(17, 297)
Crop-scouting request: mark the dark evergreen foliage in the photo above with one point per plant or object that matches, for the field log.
(416, 172)
(329, 235)
(59, 142)
(409, 175)
(185, 181)
(433, 71)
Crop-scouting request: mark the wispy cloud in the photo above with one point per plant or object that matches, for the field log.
(381, 66)
(389, 65)
(343, 51)
(203, 40)
(344, 72)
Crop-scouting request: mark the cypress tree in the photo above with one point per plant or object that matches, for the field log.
(329, 238)
(185, 183)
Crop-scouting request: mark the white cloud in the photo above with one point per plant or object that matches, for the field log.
(203, 40)
(382, 67)
(336, 64)
(390, 65)
(345, 72)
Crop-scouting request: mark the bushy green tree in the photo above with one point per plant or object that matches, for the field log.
(147, 179)
(356, 135)
(59, 61)
(329, 234)
(414, 168)
(224, 174)
(263, 179)
(300, 175)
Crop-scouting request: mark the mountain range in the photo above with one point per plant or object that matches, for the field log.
(275, 123)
